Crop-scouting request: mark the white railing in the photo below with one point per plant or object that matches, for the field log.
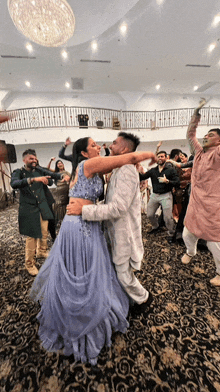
(67, 116)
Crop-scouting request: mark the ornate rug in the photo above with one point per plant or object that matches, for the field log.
(173, 346)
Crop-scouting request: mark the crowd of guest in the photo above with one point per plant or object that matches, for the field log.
(184, 198)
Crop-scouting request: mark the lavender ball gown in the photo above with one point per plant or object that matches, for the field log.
(81, 300)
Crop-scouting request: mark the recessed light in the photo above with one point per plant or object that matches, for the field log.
(64, 54)
(211, 47)
(28, 84)
(67, 85)
(157, 87)
(216, 20)
(29, 47)
(123, 28)
(94, 46)
(195, 88)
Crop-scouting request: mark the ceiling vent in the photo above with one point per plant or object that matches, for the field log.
(198, 65)
(77, 83)
(95, 61)
(206, 87)
(5, 56)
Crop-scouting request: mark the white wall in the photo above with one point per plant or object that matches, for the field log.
(163, 102)
(109, 101)
(29, 100)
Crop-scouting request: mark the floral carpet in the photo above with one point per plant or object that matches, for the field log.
(173, 346)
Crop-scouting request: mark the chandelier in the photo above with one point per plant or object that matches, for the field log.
(47, 22)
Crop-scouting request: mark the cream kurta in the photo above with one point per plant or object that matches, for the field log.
(122, 213)
(203, 213)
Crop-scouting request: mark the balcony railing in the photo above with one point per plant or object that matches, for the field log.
(67, 116)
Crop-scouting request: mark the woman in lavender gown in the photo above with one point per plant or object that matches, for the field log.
(81, 299)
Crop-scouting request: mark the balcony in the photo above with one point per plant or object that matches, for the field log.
(67, 117)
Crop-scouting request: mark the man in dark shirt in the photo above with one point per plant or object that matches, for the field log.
(163, 180)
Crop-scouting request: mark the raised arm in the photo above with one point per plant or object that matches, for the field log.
(105, 165)
(62, 151)
(49, 164)
(194, 144)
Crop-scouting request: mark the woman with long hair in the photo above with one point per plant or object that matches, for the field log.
(81, 299)
(60, 193)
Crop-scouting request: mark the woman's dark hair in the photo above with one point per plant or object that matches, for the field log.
(79, 146)
(56, 167)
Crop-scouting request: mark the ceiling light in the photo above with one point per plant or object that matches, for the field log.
(157, 87)
(211, 47)
(123, 28)
(195, 88)
(48, 23)
(94, 46)
(29, 47)
(28, 84)
(216, 20)
(64, 54)
(67, 85)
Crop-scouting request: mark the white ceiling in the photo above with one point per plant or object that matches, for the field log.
(162, 37)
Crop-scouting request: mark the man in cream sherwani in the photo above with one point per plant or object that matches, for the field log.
(122, 215)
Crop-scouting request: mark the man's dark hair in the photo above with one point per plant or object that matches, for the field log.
(133, 140)
(174, 152)
(29, 151)
(215, 130)
(162, 152)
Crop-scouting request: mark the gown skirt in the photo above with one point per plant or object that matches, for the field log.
(82, 301)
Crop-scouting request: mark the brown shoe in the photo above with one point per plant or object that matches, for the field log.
(186, 259)
(31, 268)
(215, 281)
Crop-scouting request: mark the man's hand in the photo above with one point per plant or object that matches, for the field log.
(4, 118)
(68, 141)
(163, 179)
(44, 180)
(174, 163)
(66, 178)
(153, 159)
(74, 208)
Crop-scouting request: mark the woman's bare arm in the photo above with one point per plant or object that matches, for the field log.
(104, 165)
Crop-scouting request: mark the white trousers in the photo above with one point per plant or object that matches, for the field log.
(191, 245)
(130, 283)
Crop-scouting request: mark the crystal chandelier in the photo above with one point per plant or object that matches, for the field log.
(47, 22)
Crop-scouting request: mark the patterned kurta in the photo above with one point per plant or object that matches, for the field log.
(203, 213)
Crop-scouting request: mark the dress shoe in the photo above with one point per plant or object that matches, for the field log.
(171, 239)
(31, 268)
(186, 259)
(215, 281)
(154, 231)
(138, 309)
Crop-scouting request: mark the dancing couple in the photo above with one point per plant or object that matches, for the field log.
(84, 296)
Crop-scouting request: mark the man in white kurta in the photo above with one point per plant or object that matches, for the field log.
(122, 215)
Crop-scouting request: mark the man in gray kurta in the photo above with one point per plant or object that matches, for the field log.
(122, 215)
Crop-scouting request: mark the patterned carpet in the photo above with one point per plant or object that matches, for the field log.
(174, 346)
